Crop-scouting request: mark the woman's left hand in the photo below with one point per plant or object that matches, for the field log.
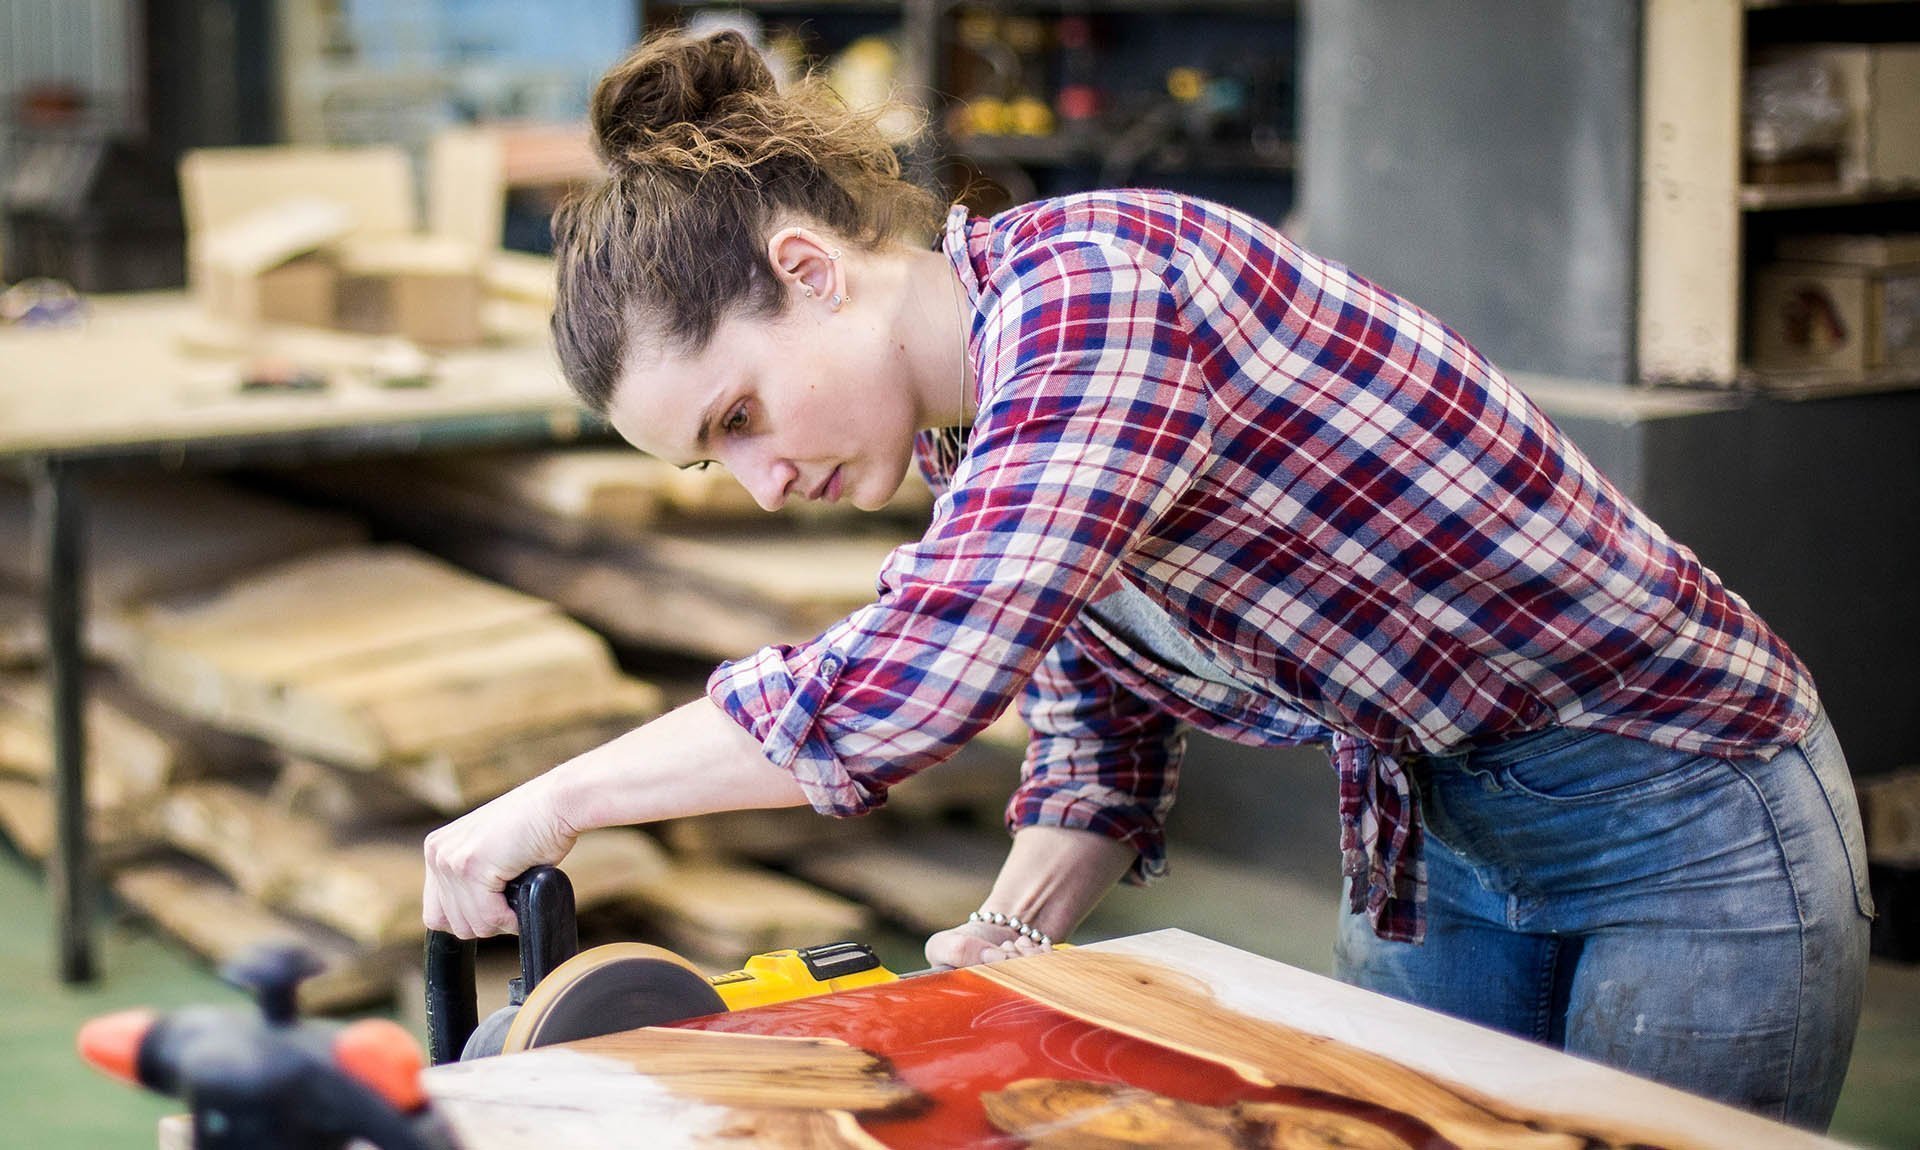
(972, 943)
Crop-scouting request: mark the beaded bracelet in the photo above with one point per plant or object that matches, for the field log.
(995, 918)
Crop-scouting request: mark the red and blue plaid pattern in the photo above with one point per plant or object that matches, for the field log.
(1385, 544)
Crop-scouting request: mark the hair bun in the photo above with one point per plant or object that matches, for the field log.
(672, 80)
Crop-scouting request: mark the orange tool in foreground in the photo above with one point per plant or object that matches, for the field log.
(264, 1080)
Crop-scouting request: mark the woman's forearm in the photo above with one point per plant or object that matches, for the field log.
(693, 760)
(1053, 876)
(688, 762)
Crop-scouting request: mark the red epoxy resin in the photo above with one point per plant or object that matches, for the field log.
(955, 1036)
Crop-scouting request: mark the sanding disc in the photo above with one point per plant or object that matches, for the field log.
(621, 986)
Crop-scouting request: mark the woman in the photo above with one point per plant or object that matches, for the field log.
(1205, 479)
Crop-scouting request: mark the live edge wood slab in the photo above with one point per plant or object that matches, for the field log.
(1163, 1039)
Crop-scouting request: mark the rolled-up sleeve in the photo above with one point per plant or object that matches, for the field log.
(1093, 424)
(1101, 758)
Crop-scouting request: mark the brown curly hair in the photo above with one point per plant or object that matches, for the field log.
(704, 155)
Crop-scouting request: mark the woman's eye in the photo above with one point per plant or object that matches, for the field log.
(736, 420)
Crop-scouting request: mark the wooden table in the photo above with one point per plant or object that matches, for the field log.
(123, 390)
(1232, 1049)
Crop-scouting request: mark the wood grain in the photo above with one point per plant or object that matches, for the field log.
(1152, 1002)
(367, 655)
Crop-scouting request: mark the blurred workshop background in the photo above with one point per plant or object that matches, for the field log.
(299, 529)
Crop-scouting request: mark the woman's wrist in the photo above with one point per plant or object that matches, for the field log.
(1014, 925)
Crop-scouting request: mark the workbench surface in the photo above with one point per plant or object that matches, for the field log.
(146, 371)
(1170, 1036)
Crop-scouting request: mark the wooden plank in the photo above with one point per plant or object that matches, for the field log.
(1689, 298)
(971, 787)
(724, 913)
(772, 835)
(1166, 1012)
(152, 536)
(617, 490)
(341, 800)
(458, 776)
(367, 655)
(195, 905)
(134, 749)
(424, 503)
(634, 605)
(26, 818)
(814, 578)
(926, 882)
(366, 886)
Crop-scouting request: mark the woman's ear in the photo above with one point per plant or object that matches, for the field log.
(808, 264)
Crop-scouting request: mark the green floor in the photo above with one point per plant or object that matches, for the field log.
(52, 1101)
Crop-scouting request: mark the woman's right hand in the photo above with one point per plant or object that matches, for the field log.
(470, 860)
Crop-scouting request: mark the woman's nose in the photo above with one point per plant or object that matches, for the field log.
(770, 482)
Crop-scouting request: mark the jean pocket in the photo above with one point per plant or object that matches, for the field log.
(1602, 768)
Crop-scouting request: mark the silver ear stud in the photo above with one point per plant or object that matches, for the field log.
(838, 300)
(806, 290)
(834, 254)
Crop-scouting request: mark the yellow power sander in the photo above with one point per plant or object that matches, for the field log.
(564, 993)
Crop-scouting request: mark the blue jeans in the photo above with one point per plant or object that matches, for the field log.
(1698, 921)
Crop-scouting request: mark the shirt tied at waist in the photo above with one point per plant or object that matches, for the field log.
(1381, 841)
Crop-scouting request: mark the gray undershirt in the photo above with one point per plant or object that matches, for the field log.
(1146, 627)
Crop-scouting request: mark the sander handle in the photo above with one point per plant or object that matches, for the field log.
(543, 907)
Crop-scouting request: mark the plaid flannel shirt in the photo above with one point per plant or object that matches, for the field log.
(1389, 548)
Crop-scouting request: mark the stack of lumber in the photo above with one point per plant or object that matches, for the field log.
(290, 709)
(663, 561)
(147, 539)
(679, 569)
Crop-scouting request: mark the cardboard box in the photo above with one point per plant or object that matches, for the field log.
(1881, 86)
(428, 289)
(1835, 317)
(268, 266)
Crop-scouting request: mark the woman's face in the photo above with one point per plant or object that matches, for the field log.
(817, 403)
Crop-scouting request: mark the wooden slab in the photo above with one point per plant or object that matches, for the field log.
(366, 887)
(457, 776)
(635, 605)
(26, 818)
(161, 535)
(1192, 1043)
(368, 655)
(134, 749)
(195, 905)
(723, 912)
(772, 835)
(616, 489)
(814, 577)
(924, 883)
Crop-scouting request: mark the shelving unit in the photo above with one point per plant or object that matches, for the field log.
(1702, 229)
(1074, 155)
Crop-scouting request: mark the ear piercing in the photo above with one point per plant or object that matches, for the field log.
(834, 254)
(840, 299)
(806, 290)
